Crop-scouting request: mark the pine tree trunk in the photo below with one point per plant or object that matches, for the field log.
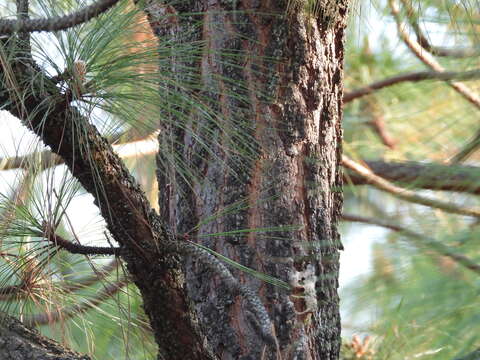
(276, 75)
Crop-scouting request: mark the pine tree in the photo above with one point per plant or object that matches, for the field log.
(246, 98)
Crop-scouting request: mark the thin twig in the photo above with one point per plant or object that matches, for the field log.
(405, 194)
(421, 240)
(378, 125)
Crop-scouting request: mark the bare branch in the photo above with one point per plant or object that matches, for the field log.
(139, 147)
(378, 126)
(405, 194)
(427, 58)
(56, 23)
(420, 240)
(73, 248)
(425, 43)
(410, 77)
(430, 61)
(430, 176)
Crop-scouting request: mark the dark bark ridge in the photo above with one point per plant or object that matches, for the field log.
(294, 113)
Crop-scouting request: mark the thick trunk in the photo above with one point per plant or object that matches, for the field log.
(276, 75)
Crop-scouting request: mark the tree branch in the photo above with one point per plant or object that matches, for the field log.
(405, 194)
(410, 77)
(73, 248)
(421, 240)
(430, 176)
(56, 23)
(147, 144)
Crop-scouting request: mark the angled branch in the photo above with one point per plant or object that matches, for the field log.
(56, 23)
(410, 77)
(430, 61)
(460, 178)
(423, 240)
(405, 194)
(378, 125)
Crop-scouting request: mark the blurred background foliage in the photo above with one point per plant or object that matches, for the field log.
(411, 301)
(410, 284)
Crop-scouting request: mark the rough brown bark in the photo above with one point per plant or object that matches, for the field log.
(18, 342)
(291, 178)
